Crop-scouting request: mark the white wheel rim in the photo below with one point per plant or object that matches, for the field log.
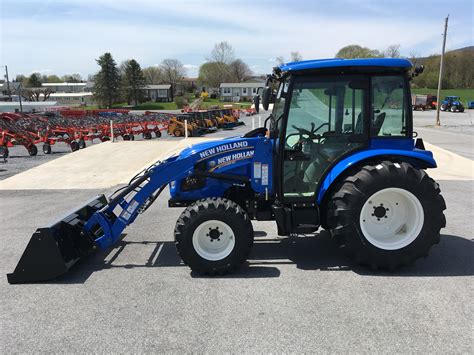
(213, 240)
(391, 218)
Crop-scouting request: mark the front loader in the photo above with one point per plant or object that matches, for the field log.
(176, 126)
(336, 152)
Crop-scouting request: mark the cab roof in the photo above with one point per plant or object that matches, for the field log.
(339, 62)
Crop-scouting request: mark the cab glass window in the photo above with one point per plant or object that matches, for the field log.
(389, 107)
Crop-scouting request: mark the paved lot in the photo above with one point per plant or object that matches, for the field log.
(296, 295)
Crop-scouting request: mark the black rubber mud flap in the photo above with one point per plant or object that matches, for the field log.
(53, 250)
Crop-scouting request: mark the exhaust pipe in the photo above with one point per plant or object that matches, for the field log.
(54, 249)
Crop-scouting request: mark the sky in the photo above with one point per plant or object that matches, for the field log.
(66, 36)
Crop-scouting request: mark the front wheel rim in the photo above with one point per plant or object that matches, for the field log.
(213, 240)
(391, 218)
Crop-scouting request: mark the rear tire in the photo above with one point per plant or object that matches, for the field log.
(46, 148)
(158, 133)
(74, 146)
(4, 152)
(213, 236)
(32, 150)
(387, 215)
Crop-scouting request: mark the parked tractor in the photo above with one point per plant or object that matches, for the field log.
(337, 152)
(452, 103)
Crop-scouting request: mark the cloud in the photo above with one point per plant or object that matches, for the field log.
(150, 31)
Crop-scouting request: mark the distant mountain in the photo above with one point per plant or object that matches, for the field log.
(468, 49)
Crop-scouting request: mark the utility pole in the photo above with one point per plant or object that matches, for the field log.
(8, 83)
(438, 98)
(19, 97)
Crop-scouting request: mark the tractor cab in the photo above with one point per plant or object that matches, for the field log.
(323, 114)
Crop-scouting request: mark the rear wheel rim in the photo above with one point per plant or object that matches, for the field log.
(391, 218)
(213, 240)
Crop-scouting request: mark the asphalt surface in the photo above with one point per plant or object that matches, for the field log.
(295, 295)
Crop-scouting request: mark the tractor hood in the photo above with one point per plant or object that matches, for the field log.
(235, 160)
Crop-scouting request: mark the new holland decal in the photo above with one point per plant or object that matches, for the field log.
(223, 148)
(231, 159)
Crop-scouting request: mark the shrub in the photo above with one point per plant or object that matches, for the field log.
(180, 101)
(204, 95)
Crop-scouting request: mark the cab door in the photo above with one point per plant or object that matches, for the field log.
(326, 119)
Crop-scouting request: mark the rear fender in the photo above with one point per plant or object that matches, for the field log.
(425, 159)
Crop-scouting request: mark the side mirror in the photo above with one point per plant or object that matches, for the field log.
(266, 94)
(256, 101)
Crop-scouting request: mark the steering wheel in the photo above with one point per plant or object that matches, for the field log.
(312, 133)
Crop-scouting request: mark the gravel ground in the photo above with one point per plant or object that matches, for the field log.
(296, 295)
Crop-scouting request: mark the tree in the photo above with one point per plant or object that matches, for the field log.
(153, 75)
(34, 80)
(212, 74)
(458, 71)
(392, 51)
(134, 81)
(296, 57)
(36, 94)
(72, 78)
(222, 53)
(53, 79)
(356, 51)
(280, 60)
(173, 71)
(414, 58)
(239, 70)
(107, 81)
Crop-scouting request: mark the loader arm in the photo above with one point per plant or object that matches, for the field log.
(54, 249)
(108, 223)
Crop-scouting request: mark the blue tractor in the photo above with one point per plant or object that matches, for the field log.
(452, 103)
(337, 152)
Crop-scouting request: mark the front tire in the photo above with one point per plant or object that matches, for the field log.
(32, 150)
(387, 215)
(213, 236)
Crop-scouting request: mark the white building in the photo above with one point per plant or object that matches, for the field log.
(65, 87)
(26, 106)
(72, 98)
(239, 91)
(70, 93)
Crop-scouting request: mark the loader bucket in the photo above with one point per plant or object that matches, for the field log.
(54, 249)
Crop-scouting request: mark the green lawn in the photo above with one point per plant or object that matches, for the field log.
(465, 94)
(156, 106)
(216, 102)
(172, 106)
